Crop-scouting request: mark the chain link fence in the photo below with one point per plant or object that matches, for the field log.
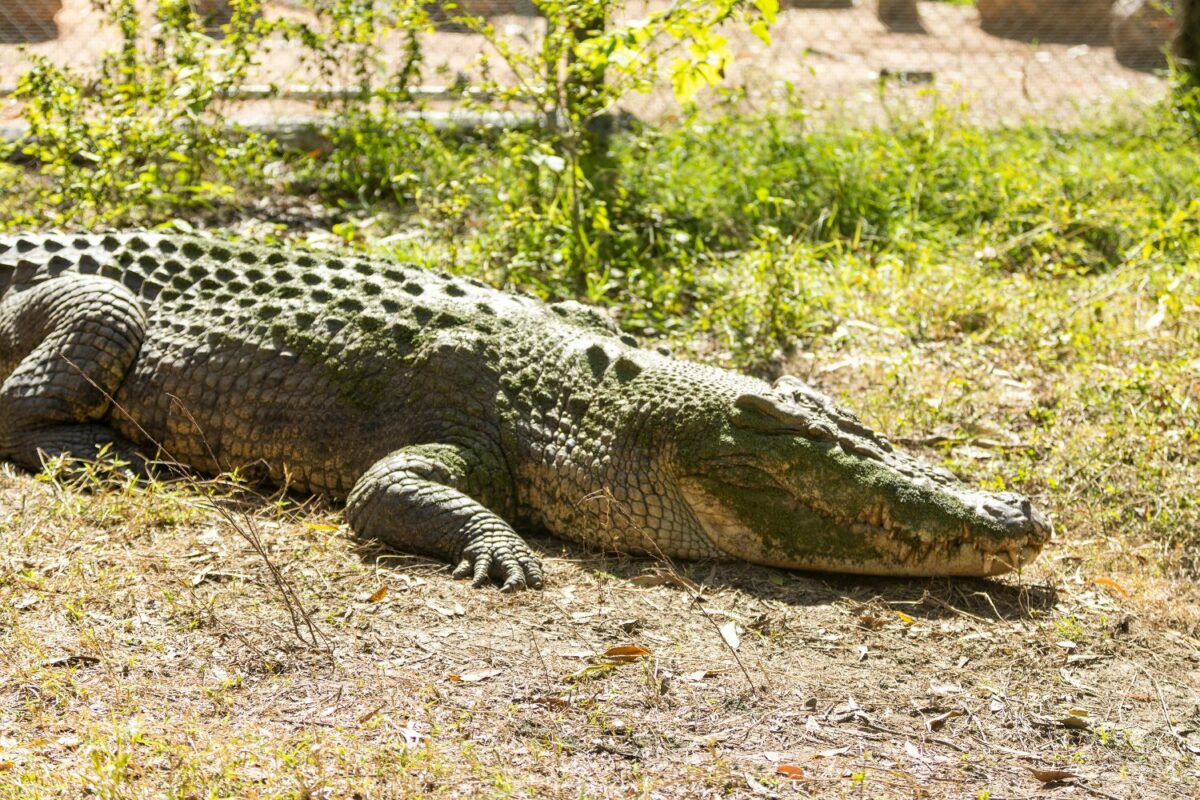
(1006, 59)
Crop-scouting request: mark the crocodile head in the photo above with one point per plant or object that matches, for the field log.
(791, 480)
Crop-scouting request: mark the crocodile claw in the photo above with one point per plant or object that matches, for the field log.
(506, 558)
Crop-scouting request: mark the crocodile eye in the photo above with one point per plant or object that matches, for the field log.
(821, 432)
(767, 414)
(773, 415)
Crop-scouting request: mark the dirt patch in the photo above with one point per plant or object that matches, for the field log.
(146, 651)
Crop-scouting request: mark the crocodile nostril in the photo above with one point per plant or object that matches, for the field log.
(996, 511)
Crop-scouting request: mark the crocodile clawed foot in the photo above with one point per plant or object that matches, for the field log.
(505, 558)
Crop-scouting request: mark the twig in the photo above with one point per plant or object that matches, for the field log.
(248, 531)
(893, 732)
(1088, 788)
(362, 718)
(986, 596)
(1162, 702)
(943, 604)
(697, 599)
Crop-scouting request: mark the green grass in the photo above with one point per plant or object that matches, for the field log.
(678, 217)
(1063, 257)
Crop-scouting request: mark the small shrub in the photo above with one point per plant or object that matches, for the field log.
(148, 136)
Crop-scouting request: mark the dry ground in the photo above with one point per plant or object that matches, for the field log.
(146, 651)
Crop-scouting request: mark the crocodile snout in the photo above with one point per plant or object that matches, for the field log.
(1018, 516)
(1026, 530)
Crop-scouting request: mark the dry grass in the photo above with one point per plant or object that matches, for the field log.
(146, 652)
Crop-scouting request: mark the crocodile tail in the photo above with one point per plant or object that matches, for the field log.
(27, 259)
(9, 263)
(6, 272)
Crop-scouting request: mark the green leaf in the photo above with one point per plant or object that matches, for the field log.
(759, 28)
(768, 8)
(685, 81)
(600, 220)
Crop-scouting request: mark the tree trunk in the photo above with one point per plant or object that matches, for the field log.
(900, 16)
(1187, 42)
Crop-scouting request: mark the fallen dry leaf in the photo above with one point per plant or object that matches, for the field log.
(71, 661)
(839, 751)
(456, 611)
(1076, 722)
(757, 787)
(475, 676)
(320, 526)
(944, 689)
(871, 622)
(1049, 775)
(412, 736)
(936, 723)
(574, 653)
(25, 601)
(1070, 680)
(667, 579)
(730, 635)
(608, 661)
(216, 576)
(1111, 584)
(626, 652)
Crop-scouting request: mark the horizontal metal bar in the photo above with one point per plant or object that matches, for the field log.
(307, 131)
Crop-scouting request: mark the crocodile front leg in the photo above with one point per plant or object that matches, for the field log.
(65, 347)
(417, 499)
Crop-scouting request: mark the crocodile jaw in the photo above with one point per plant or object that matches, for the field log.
(864, 548)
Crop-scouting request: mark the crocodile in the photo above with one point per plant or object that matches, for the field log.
(447, 415)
